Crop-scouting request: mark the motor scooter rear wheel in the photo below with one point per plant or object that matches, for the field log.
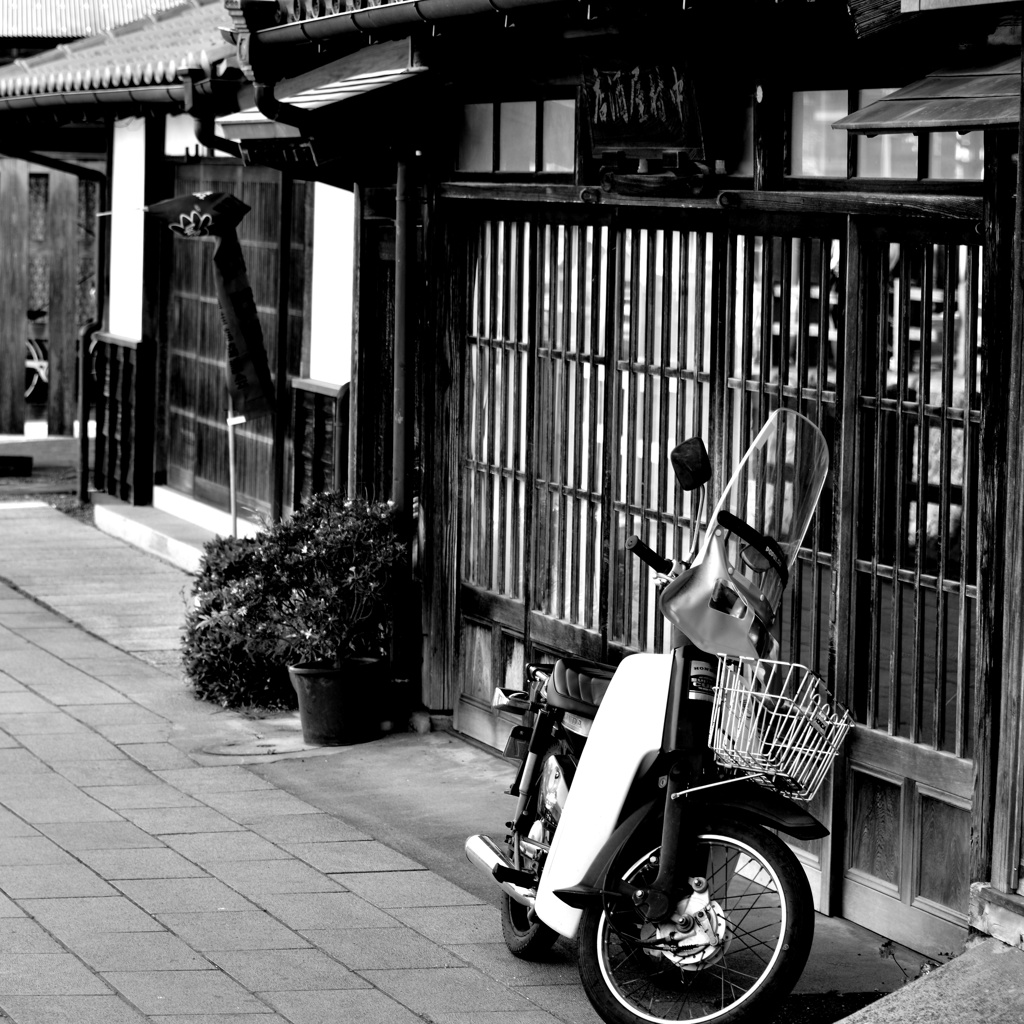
(745, 951)
(526, 936)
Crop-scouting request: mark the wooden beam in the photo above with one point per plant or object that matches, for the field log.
(856, 203)
(14, 289)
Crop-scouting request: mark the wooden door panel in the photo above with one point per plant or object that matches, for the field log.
(911, 635)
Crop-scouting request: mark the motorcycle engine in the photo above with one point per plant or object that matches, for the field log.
(552, 790)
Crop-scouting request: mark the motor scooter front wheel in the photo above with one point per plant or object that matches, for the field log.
(732, 949)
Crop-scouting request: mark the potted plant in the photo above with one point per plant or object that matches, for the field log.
(338, 618)
(302, 612)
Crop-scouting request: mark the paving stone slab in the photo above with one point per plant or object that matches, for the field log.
(137, 951)
(558, 967)
(256, 806)
(453, 925)
(31, 881)
(223, 1018)
(92, 915)
(105, 1009)
(124, 772)
(305, 828)
(122, 734)
(353, 856)
(157, 755)
(42, 724)
(363, 1005)
(183, 895)
(206, 848)
(77, 693)
(564, 1001)
(8, 684)
(35, 849)
(323, 910)
(495, 1017)
(21, 935)
(71, 747)
(155, 862)
(153, 794)
(169, 821)
(380, 949)
(23, 703)
(98, 835)
(47, 974)
(286, 970)
(166, 992)
(118, 713)
(18, 761)
(58, 807)
(252, 877)
(9, 909)
(207, 931)
(391, 889)
(200, 781)
(430, 991)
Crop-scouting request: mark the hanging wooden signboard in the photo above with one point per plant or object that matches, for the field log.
(643, 111)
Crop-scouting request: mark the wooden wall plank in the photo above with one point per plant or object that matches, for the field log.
(14, 289)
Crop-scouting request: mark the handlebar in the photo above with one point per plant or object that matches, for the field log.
(657, 562)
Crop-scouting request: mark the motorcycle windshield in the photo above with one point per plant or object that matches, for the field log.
(776, 486)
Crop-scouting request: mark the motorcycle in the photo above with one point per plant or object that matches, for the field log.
(650, 792)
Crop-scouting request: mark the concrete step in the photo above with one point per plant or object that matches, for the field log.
(170, 537)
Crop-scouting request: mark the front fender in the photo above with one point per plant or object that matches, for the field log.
(743, 800)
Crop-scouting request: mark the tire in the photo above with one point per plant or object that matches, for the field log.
(526, 936)
(36, 377)
(764, 941)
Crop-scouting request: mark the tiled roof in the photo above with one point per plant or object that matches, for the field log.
(71, 19)
(146, 52)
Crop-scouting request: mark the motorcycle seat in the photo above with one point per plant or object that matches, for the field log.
(579, 686)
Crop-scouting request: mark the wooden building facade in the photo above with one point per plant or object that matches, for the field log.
(588, 234)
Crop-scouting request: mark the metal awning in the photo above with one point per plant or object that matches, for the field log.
(985, 95)
(366, 71)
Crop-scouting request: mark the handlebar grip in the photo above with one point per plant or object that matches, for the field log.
(657, 562)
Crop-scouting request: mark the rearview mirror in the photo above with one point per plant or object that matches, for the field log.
(691, 464)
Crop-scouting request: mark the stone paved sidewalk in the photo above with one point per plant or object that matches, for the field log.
(140, 884)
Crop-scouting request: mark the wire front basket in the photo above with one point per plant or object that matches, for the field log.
(776, 722)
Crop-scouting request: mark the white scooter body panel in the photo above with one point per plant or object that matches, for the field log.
(629, 724)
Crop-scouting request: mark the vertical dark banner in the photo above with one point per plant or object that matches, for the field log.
(216, 215)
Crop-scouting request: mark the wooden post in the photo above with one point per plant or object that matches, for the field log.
(14, 289)
(1006, 846)
(62, 233)
(769, 136)
(354, 402)
(283, 392)
(997, 304)
(401, 445)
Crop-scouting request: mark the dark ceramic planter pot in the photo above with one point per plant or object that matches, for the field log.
(338, 705)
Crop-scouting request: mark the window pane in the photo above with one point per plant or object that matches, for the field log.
(884, 156)
(957, 156)
(476, 141)
(818, 150)
(517, 150)
(559, 135)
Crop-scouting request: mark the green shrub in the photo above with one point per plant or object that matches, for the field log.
(318, 587)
